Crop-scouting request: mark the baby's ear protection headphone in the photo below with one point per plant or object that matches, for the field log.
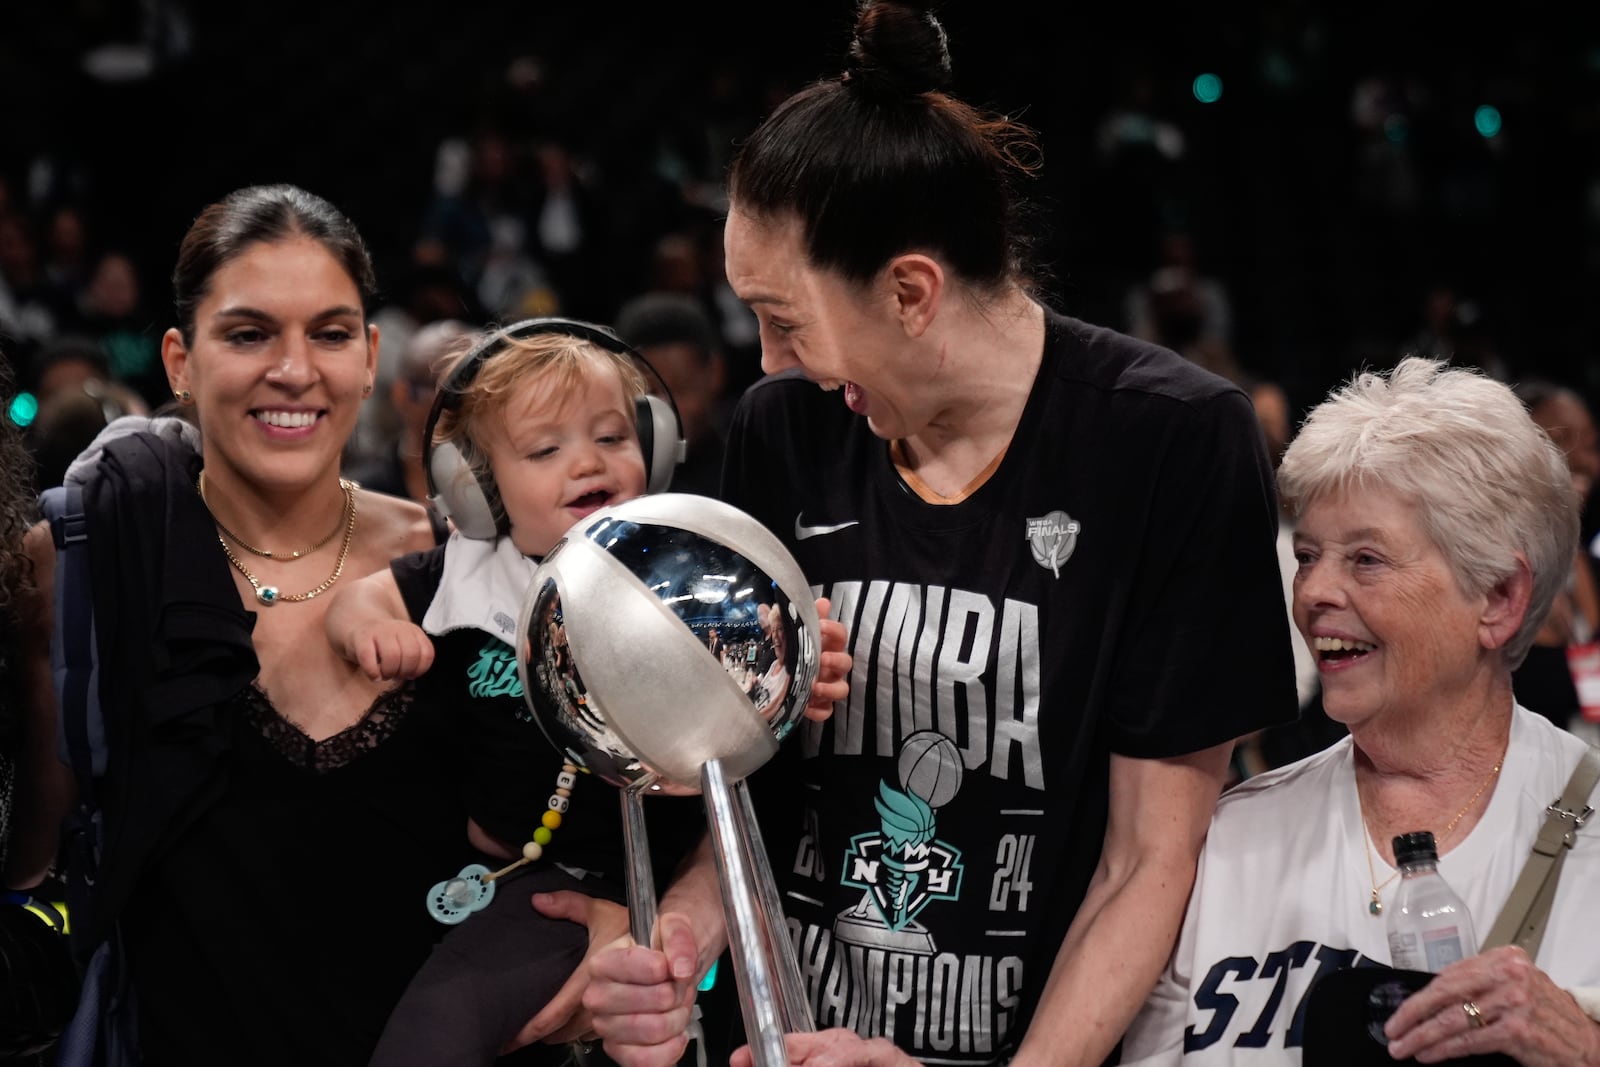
(468, 497)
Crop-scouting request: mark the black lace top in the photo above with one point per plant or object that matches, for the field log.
(329, 754)
(282, 927)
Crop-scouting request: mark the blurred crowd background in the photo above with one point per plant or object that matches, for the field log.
(1284, 190)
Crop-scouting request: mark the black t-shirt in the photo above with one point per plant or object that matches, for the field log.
(511, 765)
(1112, 588)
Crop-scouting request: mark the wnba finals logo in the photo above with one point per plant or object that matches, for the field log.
(1052, 538)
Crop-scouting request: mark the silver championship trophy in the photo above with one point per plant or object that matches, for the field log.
(668, 644)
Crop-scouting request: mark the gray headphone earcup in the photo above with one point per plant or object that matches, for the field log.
(661, 441)
(458, 494)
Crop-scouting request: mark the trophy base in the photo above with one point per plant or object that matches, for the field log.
(862, 930)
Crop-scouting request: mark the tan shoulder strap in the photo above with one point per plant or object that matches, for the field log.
(1522, 920)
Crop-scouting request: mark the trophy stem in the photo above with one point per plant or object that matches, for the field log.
(641, 879)
(759, 957)
(797, 1013)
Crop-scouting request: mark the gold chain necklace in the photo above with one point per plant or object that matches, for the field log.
(269, 594)
(1375, 906)
(262, 552)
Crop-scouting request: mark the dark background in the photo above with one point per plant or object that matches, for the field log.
(1327, 225)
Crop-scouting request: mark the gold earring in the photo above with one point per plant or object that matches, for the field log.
(184, 396)
(366, 390)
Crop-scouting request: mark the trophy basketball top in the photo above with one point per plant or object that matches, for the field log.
(665, 632)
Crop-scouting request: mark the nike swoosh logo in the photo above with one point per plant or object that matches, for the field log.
(802, 531)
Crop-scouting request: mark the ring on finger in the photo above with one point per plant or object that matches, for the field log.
(1474, 1016)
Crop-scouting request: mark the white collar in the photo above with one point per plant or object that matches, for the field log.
(483, 587)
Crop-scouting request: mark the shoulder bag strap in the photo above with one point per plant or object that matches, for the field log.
(1522, 920)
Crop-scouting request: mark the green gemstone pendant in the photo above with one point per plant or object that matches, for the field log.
(1376, 907)
(267, 594)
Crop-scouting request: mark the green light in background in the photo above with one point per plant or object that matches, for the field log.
(1487, 120)
(24, 409)
(1208, 88)
(1395, 128)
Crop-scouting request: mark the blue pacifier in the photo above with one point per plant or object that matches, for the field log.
(450, 902)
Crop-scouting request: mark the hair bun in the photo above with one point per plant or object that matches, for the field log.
(898, 48)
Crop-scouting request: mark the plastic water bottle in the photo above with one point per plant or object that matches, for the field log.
(1429, 925)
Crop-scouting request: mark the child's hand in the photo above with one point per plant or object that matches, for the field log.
(392, 649)
(833, 667)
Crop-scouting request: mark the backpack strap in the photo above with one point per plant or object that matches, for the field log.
(81, 738)
(102, 1032)
(80, 722)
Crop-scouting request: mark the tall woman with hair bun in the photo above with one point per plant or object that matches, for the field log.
(1053, 547)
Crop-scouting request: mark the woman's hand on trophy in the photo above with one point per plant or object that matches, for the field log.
(833, 667)
(641, 999)
(833, 1048)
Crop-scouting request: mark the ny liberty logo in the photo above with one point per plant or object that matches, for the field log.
(902, 868)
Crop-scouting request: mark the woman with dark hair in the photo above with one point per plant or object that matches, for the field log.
(18, 639)
(37, 983)
(1054, 548)
(255, 779)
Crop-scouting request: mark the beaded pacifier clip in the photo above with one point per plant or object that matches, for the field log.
(452, 900)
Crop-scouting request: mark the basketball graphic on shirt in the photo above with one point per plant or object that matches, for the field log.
(930, 767)
(902, 866)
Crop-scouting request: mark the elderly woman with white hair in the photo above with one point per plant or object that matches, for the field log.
(1435, 523)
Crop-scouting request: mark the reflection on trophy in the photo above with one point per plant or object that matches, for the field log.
(668, 644)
